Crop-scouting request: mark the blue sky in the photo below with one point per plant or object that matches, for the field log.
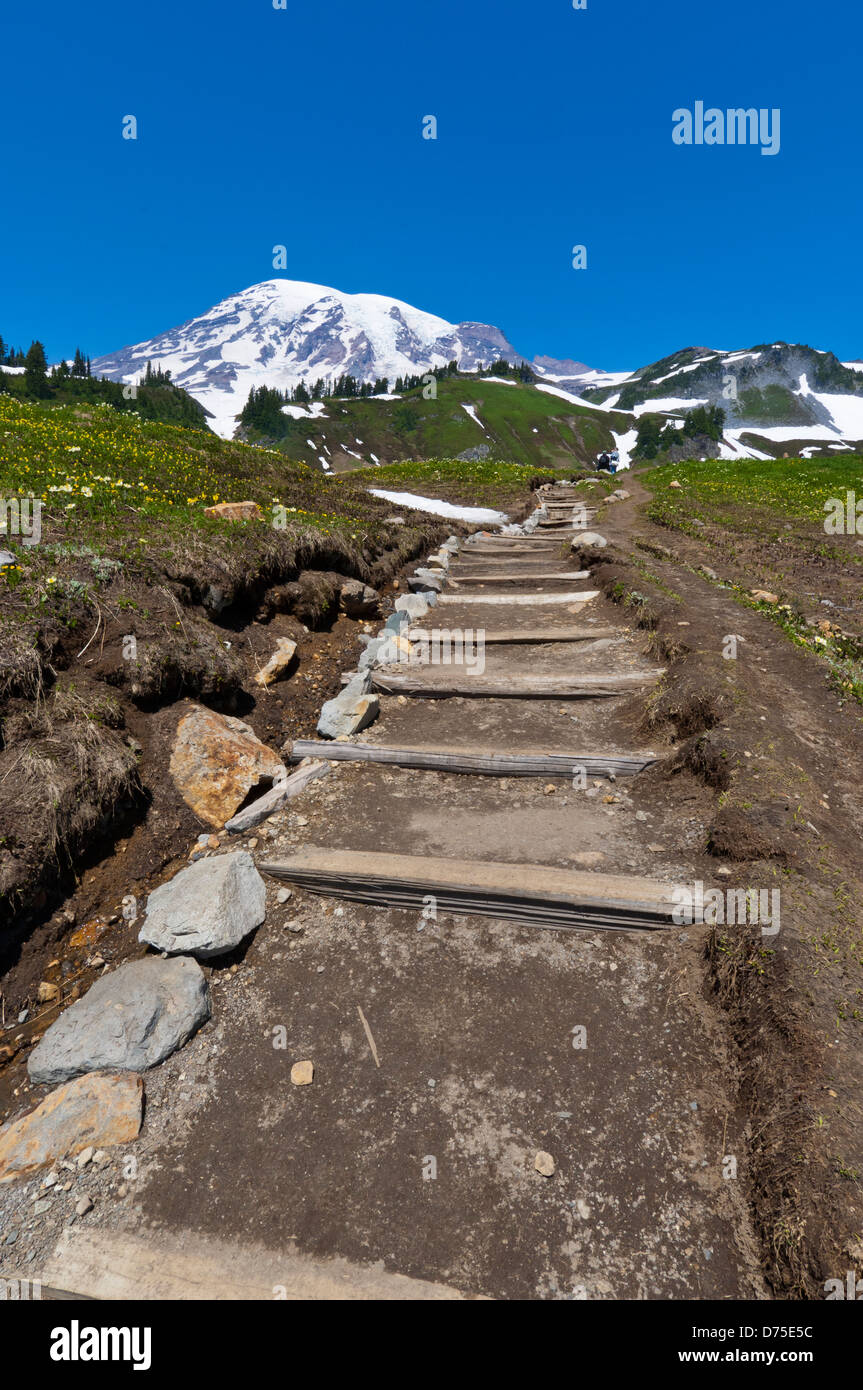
(302, 126)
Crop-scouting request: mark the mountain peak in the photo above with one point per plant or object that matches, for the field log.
(280, 332)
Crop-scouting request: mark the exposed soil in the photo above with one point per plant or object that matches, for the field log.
(704, 1043)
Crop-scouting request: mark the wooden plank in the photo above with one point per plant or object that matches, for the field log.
(186, 1266)
(520, 576)
(484, 763)
(442, 683)
(522, 600)
(535, 895)
(541, 553)
(546, 544)
(528, 635)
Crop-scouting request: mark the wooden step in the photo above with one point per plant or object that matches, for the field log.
(118, 1266)
(534, 895)
(524, 635)
(522, 600)
(441, 682)
(519, 577)
(544, 544)
(480, 762)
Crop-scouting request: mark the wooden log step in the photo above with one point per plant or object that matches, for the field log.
(479, 762)
(500, 547)
(520, 576)
(525, 635)
(186, 1266)
(549, 552)
(425, 683)
(523, 600)
(534, 895)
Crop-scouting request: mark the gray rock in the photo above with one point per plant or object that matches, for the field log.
(359, 600)
(415, 605)
(452, 544)
(369, 657)
(208, 908)
(351, 710)
(424, 582)
(6, 558)
(128, 1021)
(588, 538)
(396, 623)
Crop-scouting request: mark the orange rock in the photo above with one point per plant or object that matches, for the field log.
(235, 511)
(216, 761)
(100, 1109)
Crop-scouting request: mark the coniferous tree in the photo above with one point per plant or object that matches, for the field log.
(36, 370)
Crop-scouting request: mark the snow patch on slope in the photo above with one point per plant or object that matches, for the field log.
(438, 508)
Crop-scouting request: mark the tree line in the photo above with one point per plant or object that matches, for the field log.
(155, 397)
(653, 438)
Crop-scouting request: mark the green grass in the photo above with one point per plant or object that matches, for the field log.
(746, 493)
(95, 465)
(485, 482)
(521, 425)
(124, 503)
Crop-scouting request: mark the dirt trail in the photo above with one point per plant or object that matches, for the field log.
(495, 1041)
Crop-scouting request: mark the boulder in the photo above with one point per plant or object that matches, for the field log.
(216, 761)
(415, 605)
(235, 511)
(359, 600)
(351, 710)
(278, 663)
(396, 623)
(91, 1112)
(588, 540)
(208, 908)
(369, 657)
(425, 582)
(128, 1021)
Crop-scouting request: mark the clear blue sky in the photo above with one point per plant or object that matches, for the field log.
(302, 126)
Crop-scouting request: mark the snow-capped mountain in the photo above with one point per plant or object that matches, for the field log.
(774, 394)
(282, 332)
